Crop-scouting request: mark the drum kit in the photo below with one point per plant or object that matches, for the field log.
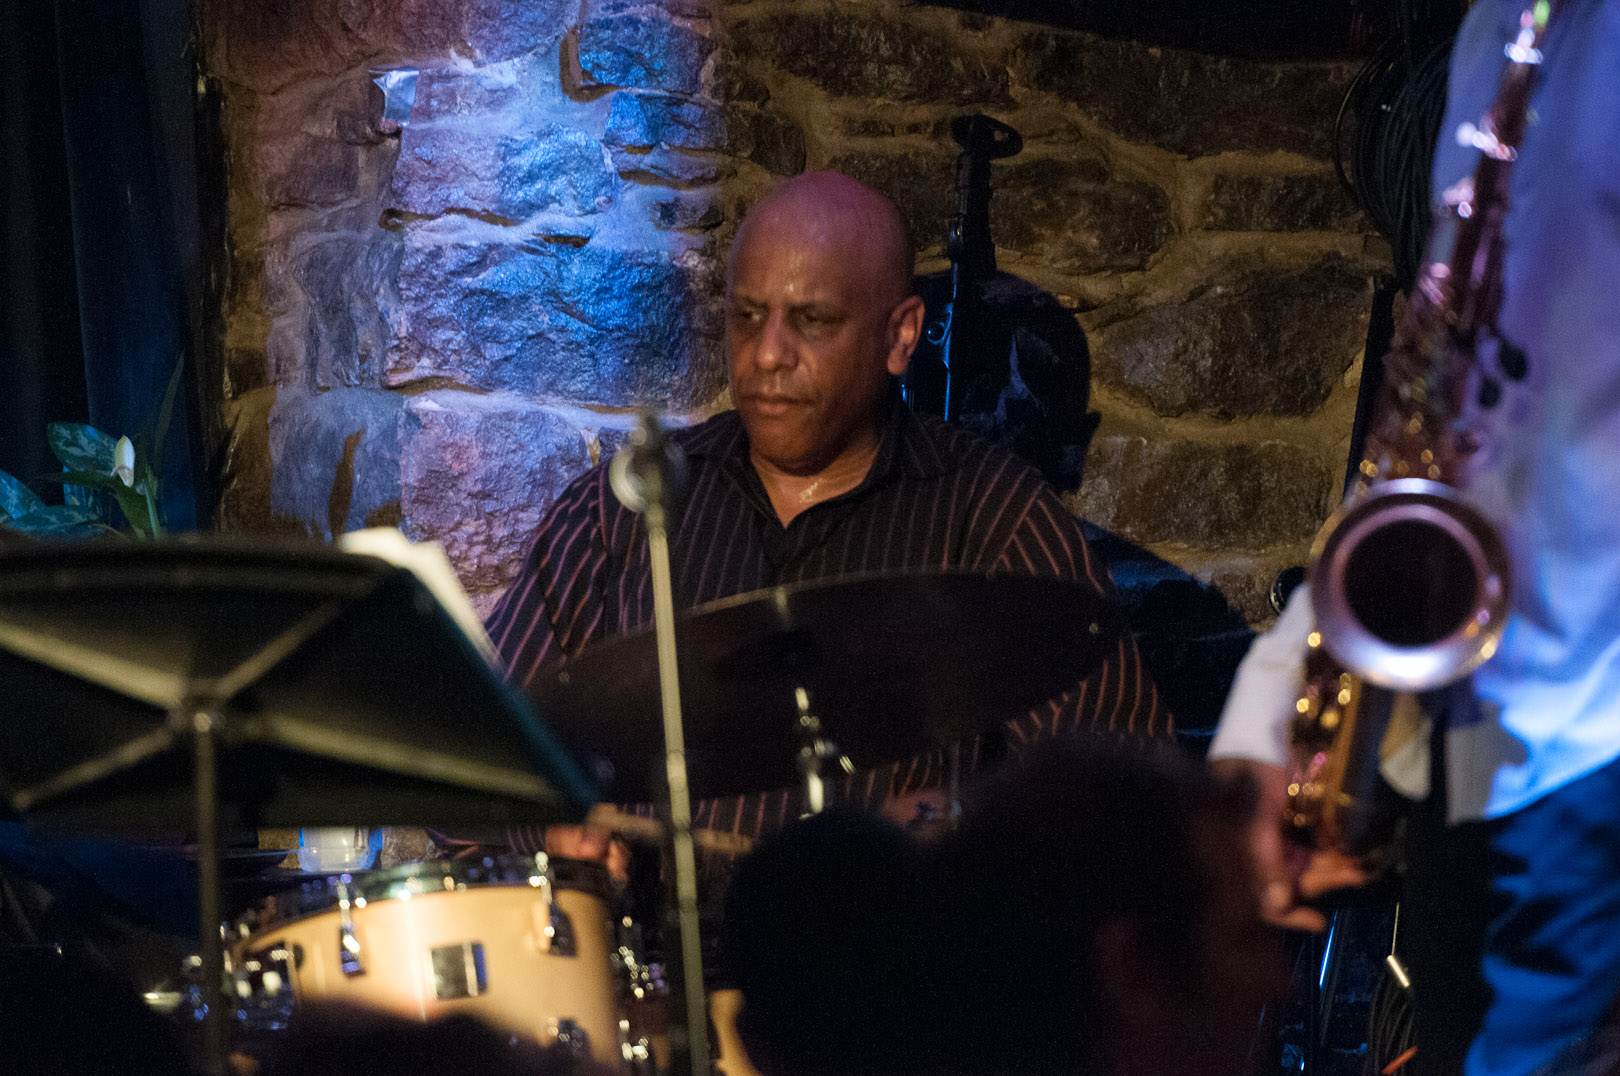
(246, 686)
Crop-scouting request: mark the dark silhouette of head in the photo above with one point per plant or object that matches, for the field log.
(1100, 911)
(821, 937)
(333, 1039)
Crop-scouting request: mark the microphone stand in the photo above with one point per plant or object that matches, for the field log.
(644, 474)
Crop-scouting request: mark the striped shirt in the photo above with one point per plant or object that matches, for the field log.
(936, 498)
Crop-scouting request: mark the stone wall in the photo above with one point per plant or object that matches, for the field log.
(438, 326)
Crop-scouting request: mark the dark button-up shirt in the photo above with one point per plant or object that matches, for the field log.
(935, 498)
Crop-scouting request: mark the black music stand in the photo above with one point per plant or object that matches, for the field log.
(195, 683)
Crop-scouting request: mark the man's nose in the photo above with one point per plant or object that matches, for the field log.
(776, 344)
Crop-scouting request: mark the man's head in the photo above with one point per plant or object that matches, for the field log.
(819, 316)
(1099, 903)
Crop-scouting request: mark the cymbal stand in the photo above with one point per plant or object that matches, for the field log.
(814, 750)
(643, 482)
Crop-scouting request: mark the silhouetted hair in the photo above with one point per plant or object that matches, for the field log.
(821, 934)
(332, 1039)
(1075, 835)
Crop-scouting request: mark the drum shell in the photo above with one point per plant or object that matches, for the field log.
(526, 988)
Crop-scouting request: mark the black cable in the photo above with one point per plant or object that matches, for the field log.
(1397, 105)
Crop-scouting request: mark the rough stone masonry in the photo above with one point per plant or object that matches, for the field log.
(438, 325)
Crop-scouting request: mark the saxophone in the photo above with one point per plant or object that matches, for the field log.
(1409, 583)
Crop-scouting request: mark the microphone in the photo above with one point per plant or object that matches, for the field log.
(649, 468)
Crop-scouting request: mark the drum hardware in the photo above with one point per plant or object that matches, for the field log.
(891, 665)
(814, 751)
(458, 970)
(559, 929)
(348, 945)
(645, 474)
(570, 1037)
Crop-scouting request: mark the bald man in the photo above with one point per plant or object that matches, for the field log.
(820, 472)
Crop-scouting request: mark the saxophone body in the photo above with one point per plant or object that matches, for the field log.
(1409, 583)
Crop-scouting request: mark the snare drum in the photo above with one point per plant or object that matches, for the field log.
(522, 943)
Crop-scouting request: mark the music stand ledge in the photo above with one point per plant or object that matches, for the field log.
(195, 683)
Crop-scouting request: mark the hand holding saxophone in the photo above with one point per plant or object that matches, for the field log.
(1290, 875)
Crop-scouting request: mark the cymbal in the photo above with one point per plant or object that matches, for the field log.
(892, 665)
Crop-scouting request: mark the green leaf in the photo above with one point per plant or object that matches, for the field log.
(81, 447)
(91, 480)
(131, 500)
(57, 521)
(17, 499)
(133, 504)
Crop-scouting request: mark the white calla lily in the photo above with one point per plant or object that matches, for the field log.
(124, 461)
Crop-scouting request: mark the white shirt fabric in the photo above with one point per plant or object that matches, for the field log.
(1550, 478)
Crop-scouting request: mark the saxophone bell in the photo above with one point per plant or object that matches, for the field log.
(1409, 585)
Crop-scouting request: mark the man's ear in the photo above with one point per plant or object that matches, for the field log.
(905, 329)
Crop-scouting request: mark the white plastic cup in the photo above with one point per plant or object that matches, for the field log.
(328, 849)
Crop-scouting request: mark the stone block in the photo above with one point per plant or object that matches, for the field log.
(486, 30)
(557, 168)
(501, 29)
(773, 142)
(298, 169)
(267, 44)
(695, 211)
(1067, 213)
(356, 109)
(664, 167)
(447, 92)
(478, 474)
(734, 83)
(344, 280)
(244, 506)
(873, 56)
(1280, 202)
(592, 323)
(921, 182)
(1215, 496)
(641, 51)
(645, 120)
(335, 458)
(1256, 339)
(1188, 102)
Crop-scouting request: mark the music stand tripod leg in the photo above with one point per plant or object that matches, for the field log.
(205, 726)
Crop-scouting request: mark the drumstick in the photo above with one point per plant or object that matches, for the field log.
(652, 830)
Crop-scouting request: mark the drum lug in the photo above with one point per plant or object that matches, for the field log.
(458, 971)
(570, 1037)
(559, 928)
(348, 942)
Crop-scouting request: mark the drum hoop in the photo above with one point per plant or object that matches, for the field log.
(318, 896)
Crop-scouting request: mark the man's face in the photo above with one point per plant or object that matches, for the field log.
(811, 339)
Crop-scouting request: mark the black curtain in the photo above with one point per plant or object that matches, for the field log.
(41, 361)
(113, 277)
